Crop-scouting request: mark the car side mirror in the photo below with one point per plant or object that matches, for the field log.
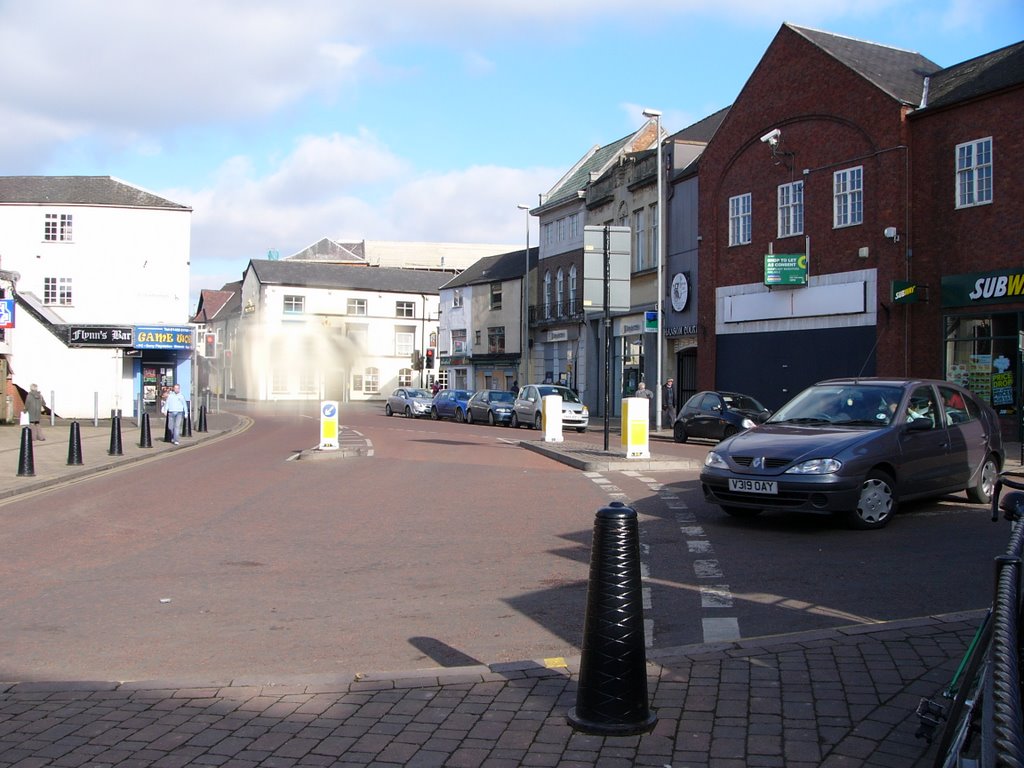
(919, 424)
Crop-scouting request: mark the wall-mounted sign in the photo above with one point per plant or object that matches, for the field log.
(905, 292)
(99, 336)
(1000, 286)
(6, 313)
(161, 337)
(680, 291)
(785, 269)
(650, 321)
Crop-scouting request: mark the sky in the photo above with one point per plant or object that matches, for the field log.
(281, 122)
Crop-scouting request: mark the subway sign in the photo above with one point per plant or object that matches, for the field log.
(996, 287)
(904, 292)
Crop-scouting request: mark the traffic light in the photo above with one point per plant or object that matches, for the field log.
(430, 359)
(210, 348)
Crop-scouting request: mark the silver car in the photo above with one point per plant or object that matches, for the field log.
(410, 401)
(527, 408)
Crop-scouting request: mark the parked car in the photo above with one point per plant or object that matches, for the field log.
(527, 407)
(857, 447)
(717, 415)
(450, 404)
(411, 401)
(491, 405)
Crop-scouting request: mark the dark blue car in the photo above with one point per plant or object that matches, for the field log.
(450, 404)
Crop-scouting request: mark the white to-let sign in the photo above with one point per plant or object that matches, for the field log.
(329, 425)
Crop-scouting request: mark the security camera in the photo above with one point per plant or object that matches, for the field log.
(772, 137)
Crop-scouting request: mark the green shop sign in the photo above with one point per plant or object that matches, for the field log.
(997, 287)
(904, 292)
(785, 269)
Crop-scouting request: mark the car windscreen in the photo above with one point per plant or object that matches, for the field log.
(743, 403)
(418, 393)
(502, 397)
(851, 404)
(566, 394)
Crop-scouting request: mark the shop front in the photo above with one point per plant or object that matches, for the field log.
(163, 358)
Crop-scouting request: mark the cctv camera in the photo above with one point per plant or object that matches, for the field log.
(772, 137)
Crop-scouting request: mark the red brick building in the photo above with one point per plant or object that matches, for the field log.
(828, 205)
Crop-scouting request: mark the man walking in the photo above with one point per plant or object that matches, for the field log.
(668, 403)
(174, 407)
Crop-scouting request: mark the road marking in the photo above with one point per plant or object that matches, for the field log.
(699, 547)
(707, 569)
(721, 630)
(715, 596)
(555, 662)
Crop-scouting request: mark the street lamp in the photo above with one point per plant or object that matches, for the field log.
(525, 341)
(656, 114)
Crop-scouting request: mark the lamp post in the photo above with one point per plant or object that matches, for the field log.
(656, 114)
(525, 341)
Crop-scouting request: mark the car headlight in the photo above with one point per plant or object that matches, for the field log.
(714, 459)
(816, 467)
(747, 423)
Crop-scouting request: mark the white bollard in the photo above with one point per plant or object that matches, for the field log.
(328, 426)
(551, 418)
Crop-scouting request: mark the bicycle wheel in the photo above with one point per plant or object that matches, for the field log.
(963, 721)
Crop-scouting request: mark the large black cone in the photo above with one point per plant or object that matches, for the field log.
(202, 419)
(74, 445)
(26, 459)
(115, 437)
(611, 698)
(186, 421)
(145, 434)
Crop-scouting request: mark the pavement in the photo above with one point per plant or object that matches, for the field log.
(837, 698)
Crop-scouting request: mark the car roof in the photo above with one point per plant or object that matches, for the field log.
(887, 380)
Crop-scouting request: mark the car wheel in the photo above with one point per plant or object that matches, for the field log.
(679, 433)
(434, 414)
(877, 502)
(741, 511)
(490, 418)
(408, 412)
(981, 492)
(469, 417)
(459, 416)
(515, 421)
(538, 422)
(581, 430)
(388, 411)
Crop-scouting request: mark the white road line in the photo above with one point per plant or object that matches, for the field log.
(715, 596)
(707, 569)
(721, 630)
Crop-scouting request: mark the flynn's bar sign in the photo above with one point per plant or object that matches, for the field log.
(99, 336)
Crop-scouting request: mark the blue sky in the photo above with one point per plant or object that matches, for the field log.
(283, 122)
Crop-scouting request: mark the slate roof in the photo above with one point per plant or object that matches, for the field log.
(596, 159)
(975, 77)
(306, 274)
(217, 305)
(326, 249)
(896, 72)
(80, 190)
(501, 266)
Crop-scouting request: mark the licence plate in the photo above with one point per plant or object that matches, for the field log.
(753, 486)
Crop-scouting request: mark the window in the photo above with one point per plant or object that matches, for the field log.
(623, 214)
(572, 288)
(405, 377)
(459, 341)
(357, 307)
(279, 381)
(655, 223)
(371, 381)
(495, 295)
(848, 197)
(549, 234)
(559, 292)
(739, 219)
(57, 227)
(358, 333)
(547, 294)
(457, 298)
(476, 338)
(307, 382)
(405, 339)
(496, 340)
(791, 209)
(974, 173)
(639, 242)
(404, 309)
(294, 305)
(57, 290)
(574, 226)
(562, 229)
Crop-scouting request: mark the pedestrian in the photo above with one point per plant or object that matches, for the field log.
(643, 391)
(174, 408)
(514, 389)
(668, 403)
(35, 404)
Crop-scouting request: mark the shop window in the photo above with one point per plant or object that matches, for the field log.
(981, 354)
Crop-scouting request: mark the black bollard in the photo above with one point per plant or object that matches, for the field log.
(115, 437)
(145, 438)
(74, 444)
(186, 421)
(611, 698)
(167, 428)
(26, 461)
(202, 419)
